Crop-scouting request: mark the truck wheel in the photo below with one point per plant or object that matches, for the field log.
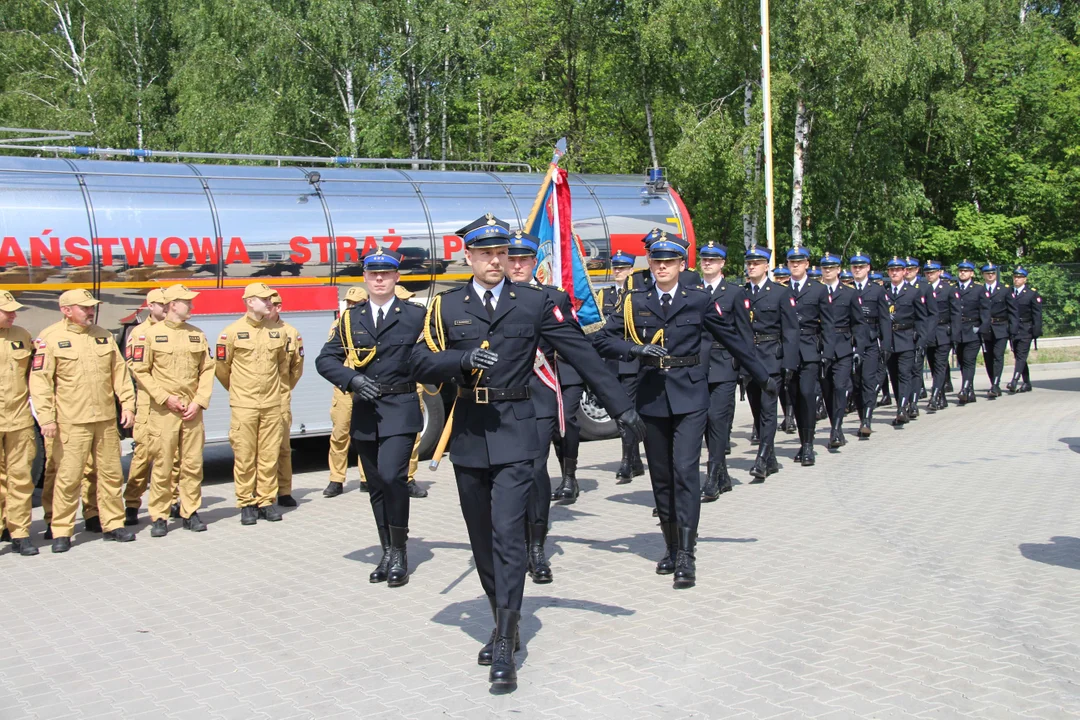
(594, 420)
(434, 418)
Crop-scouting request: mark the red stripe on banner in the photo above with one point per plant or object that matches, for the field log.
(566, 233)
(229, 301)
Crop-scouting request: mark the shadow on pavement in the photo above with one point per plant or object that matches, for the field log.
(419, 550)
(1062, 550)
(649, 546)
(1072, 442)
(1065, 384)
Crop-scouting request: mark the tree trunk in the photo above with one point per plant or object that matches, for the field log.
(445, 92)
(76, 61)
(802, 137)
(350, 110)
(652, 135)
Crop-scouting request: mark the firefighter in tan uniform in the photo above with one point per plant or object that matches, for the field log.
(17, 448)
(88, 494)
(173, 367)
(139, 470)
(253, 364)
(294, 346)
(77, 374)
(341, 420)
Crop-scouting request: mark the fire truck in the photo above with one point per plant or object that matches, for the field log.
(121, 227)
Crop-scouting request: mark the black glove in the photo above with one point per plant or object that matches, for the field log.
(365, 387)
(650, 350)
(772, 388)
(630, 425)
(478, 359)
(920, 355)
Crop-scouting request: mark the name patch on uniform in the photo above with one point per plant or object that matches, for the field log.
(241, 336)
(645, 313)
(194, 338)
(301, 351)
(161, 338)
(275, 334)
(463, 322)
(39, 361)
(64, 343)
(16, 344)
(137, 353)
(102, 341)
(220, 352)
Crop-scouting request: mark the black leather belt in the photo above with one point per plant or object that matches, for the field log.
(758, 339)
(903, 326)
(399, 389)
(844, 328)
(998, 321)
(485, 395)
(669, 361)
(809, 331)
(969, 319)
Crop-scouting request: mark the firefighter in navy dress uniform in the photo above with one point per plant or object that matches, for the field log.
(723, 370)
(607, 299)
(873, 340)
(1004, 324)
(483, 337)
(907, 309)
(644, 277)
(911, 275)
(1029, 312)
(839, 347)
(369, 357)
(944, 326)
(775, 328)
(662, 324)
(814, 313)
(974, 316)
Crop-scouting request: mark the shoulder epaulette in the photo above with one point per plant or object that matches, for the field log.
(534, 287)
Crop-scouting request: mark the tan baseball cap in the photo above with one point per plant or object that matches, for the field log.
(178, 292)
(81, 296)
(356, 294)
(155, 296)
(259, 290)
(403, 293)
(8, 302)
(275, 298)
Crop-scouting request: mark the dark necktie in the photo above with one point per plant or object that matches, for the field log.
(379, 320)
(830, 291)
(665, 303)
(489, 303)
(755, 289)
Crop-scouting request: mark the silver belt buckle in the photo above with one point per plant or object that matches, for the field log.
(482, 395)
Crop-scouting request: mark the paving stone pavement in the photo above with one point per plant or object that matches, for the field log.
(930, 572)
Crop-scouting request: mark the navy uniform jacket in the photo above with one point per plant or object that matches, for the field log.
(945, 326)
(847, 317)
(390, 414)
(878, 325)
(974, 311)
(814, 311)
(643, 279)
(909, 317)
(926, 331)
(609, 299)
(543, 397)
(677, 390)
(734, 309)
(504, 431)
(1004, 321)
(1029, 311)
(775, 326)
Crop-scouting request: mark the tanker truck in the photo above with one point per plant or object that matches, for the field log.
(120, 228)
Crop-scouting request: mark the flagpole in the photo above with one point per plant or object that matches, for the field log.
(560, 150)
(766, 99)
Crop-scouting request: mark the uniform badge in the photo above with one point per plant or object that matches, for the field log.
(957, 296)
(240, 336)
(137, 353)
(101, 340)
(463, 322)
(746, 303)
(558, 314)
(220, 352)
(64, 343)
(127, 353)
(792, 301)
(859, 298)
(301, 351)
(39, 361)
(275, 334)
(718, 310)
(1038, 299)
(573, 311)
(892, 309)
(16, 344)
(161, 338)
(922, 299)
(193, 338)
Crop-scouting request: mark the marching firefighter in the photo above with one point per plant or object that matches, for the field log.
(1029, 328)
(838, 355)
(909, 315)
(873, 339)
(944, 326)
(1004, 324)
(814, 313)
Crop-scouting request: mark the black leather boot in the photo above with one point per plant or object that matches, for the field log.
(755, 436)
(790, 426)
(822, 411)
(61, 544)
(722, 476)
(711, 489)
(836, 438)
(378, 575)
(932, 406)
(865, 429)
(685, 570)
(1013, 385)
(886, 400)
(962, 396)
(1026, 387)
(120, 534)
(269, 513)
(333, 489)
(948, 383)
(131, 516)
(771, 466)
(397, 571)
(503, 671)
(92, 524)
(568, 490)
(484, 656)
(539, 569)
(625, 472)
(807, 454)
(666, 566)
(174, 511)
(249, 515)
(159, 528)
(758, 471)
(24, 546)
(638, 467)
(194, 523)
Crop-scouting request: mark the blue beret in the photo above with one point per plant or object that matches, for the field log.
(932, 265)
(486, 231)
(911, 262)
(896, 262)
(813, 272)
(522, 244)
(756, 252)
(876, 276)
(798, 253)
(859, 258)
(380, 259)
(989, 267)
(829, 260)
(781, 272)
(666, 250)
(621, 259)
(1019, 272)
(846, 275)
(965, 265)
(947, 275)
(712, 250)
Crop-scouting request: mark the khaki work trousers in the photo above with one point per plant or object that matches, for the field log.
(176, 447)
(284, 465)
(139, 471)
(17, 451)
(89, 487)
(80, 442)
(255, 436)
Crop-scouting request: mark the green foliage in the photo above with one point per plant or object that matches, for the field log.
(1059, 287)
